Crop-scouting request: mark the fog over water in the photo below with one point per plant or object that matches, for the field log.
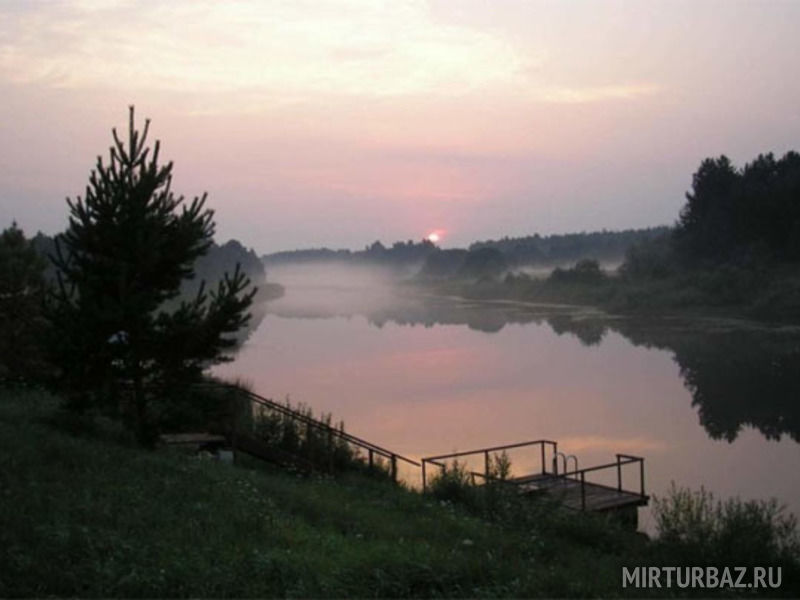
(706, 402)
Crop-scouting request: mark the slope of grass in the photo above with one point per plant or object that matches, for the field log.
(88, 515)
(84, 513)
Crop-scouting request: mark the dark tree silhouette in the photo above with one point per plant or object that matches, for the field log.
(483, 263)
(742, 215)
(129, 245)
(21, 321)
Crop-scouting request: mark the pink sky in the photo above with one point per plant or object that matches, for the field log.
(316, 123)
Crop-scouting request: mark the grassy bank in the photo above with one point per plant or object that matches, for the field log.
(84, 513)
(770, 295)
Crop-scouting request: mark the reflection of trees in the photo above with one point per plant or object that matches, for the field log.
(743, 379)
(589, 331)
(737, 376)
(414, 311)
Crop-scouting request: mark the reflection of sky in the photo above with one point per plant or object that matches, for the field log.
(432, 390)
(339, 122)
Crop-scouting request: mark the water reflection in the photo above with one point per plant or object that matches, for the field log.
(739, 374)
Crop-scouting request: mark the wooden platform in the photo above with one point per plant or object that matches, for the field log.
(572, 494)
(196, 439)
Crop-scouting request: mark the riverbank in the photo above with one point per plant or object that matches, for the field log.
(766, 295)
(83, 512)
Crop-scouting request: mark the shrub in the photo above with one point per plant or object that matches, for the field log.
(454, 484)
(700, 530)
(585, 271)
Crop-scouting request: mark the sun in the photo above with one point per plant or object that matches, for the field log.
(435, 235)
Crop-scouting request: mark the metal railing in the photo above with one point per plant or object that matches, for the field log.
(372, 450)
(574, 477)
(622, 460)
(487, 452)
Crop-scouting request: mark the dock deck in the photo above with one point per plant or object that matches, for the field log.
(570, 493)
(570, 488)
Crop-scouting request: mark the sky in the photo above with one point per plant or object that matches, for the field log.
(336, 123)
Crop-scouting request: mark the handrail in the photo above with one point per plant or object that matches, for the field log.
(493, 449)
(272, 405)
(578, 475)
(434, 460)
(622, 460)
(337, 432)
(599, 467)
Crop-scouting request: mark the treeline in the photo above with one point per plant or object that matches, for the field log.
(742, 215)
(734, 218)
(398, 255)
(736, 242)
(482, 258)
(559, 249)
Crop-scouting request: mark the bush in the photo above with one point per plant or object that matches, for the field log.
(698, 529)
(650, 259)
(454, 484)
(585, 271)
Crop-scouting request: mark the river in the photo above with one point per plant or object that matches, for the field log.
(707, 402)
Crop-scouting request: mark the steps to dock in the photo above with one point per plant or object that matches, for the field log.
(584, 489)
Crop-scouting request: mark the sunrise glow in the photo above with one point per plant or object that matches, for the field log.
(435, 236)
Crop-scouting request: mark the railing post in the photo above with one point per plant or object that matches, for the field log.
(486, 464)
(370, 459)
(331, 457)
(641, 474)
(394, 467)
(583, 491)
(541, 446)
(619, 474)
(424, 481)
(555, 458)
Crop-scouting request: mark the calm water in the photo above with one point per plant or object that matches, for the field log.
(706, 402)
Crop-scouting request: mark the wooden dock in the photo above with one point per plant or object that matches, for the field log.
(573, 489)
(570, 493)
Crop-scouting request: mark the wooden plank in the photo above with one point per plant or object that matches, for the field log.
(568, 492)
(192, 438)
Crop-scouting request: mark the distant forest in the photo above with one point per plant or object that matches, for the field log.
(534, 250)
(558, 249)
(400, 254)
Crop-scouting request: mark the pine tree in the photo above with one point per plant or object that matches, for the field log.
(129, 244)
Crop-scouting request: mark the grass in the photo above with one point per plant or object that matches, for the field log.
(85, 513)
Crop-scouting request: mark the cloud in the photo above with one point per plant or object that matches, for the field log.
(287, 48)
(250, 55)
